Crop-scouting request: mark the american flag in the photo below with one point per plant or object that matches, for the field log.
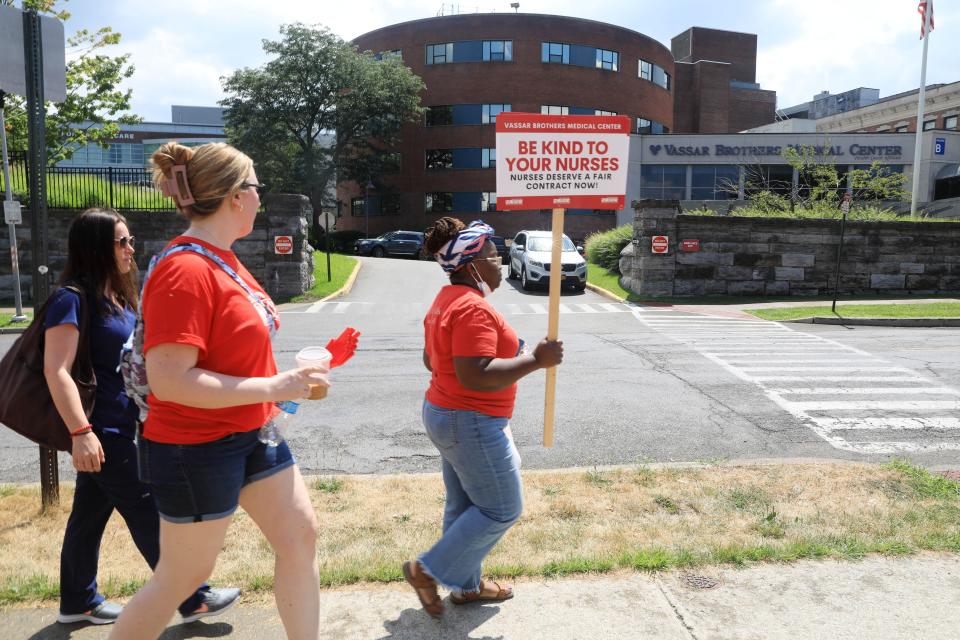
(921, 9)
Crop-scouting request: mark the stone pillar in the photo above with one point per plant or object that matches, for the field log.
(286, 276)
(644, 272)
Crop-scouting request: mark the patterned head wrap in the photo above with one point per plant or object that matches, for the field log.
(464, 247)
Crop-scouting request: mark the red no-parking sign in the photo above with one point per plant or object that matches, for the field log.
(283, 245)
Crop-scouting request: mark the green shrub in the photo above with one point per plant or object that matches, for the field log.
(604, 247)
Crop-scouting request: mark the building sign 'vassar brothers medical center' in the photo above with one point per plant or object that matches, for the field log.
(892, 151)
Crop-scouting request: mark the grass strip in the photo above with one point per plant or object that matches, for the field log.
(609, 280)
(341, 266)
(5, 320)
(638, 518)
(923, 310)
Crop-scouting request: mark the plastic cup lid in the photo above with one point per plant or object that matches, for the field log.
(314, 354)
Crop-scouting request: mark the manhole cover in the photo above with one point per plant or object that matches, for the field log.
(696, 581)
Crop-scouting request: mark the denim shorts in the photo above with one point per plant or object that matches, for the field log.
(200, 482)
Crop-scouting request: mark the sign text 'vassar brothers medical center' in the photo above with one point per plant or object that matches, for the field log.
(568, 162)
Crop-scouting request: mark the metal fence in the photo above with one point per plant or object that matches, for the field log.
(118, 188)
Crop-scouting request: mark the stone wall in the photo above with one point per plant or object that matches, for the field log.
(282, 276)
(777, 256)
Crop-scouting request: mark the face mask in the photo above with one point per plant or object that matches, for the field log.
(485, 289)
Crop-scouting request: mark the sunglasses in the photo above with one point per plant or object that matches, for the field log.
(126, 241)
(259, 186)
(497, 260)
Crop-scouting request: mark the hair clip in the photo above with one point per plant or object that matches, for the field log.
(172, 187)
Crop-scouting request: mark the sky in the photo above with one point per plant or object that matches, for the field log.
(181, 48)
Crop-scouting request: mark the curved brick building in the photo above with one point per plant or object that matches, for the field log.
(475, 66)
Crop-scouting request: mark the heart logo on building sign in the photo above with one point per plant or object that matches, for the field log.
(654, 149)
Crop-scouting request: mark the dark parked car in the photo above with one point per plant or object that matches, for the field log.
(502, 250)
(393, 243)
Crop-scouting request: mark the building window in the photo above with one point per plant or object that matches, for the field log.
(489, 158)
(115, 153)
(438, 202)
(883, 128)
(391, 54)
(663, 181)
(950, 122)
(497, 50)
(661, 78)
(650, 126)
(440, 53)
(490, 112)
(357, 206)
(439, 115)
(929, 124)
(555, 52)
(390, 205)
(555, 110)
(715, 182)
(601, 112)
(438, 159)
(654, 73)
(646, 70)
(901, 129)
(609, 60)
(488, 201)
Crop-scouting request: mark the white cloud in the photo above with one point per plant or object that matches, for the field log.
(168, 72)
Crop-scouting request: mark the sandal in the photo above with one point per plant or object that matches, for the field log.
(467, 597)
(421, 582)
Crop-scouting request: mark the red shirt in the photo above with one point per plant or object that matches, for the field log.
(461, 322)
(190, 300)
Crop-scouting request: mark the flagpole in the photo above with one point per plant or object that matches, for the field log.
(918, 145)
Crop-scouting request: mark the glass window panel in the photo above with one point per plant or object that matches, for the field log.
(608, 60)
(439, 115)
(489, 158)
(929, 124)
(950, 122)
(439, 202)
(488, 201)
(601, 112)
(439, 159)
(644, 125)
(555, 110)
(646, 70)
(490, 112)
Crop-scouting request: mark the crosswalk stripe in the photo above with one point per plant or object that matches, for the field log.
(741, 363)
(612, 308)
(882, 405)
(514, 309)
(565, 309)
(828, 368)
(587, 308)
(926, 422)
(342, 307)
(315, 307)
(837, 378)
(868, 391)
(538, 308)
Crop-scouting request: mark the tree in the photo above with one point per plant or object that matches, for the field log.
(283, 113)
(95, 103)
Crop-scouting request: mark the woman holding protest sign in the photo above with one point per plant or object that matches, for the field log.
(475, 359)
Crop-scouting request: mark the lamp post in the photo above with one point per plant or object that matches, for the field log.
(366, 205)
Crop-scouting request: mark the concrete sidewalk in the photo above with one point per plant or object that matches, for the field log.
(916, 598)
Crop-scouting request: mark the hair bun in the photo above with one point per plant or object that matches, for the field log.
(168, 156)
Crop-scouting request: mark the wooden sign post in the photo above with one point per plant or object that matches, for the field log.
(560, 162)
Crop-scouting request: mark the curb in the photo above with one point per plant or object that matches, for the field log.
(347, 286)
(10, 330)
(882, 322)
(603, 292)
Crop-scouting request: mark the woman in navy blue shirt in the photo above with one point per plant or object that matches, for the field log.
(100, 263)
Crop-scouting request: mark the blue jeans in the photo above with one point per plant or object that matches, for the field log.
(116, 486)
(481, 473)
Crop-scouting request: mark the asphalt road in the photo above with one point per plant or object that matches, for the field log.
(638, 384)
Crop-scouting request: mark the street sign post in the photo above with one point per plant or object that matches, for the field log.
(845, 208)
(560, 162)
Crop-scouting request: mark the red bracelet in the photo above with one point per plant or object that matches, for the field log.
(82, 430)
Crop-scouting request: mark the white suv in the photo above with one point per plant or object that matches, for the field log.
(530, 261)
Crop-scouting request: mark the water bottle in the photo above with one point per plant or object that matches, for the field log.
(272, 433)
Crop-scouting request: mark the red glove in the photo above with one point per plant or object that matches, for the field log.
(343, 347)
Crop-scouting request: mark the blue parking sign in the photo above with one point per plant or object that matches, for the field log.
(939, 146)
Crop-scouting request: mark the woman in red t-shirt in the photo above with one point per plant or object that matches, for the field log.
(475, 360)
(213, 383)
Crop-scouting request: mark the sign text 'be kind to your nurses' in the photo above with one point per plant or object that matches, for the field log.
(568, 162)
